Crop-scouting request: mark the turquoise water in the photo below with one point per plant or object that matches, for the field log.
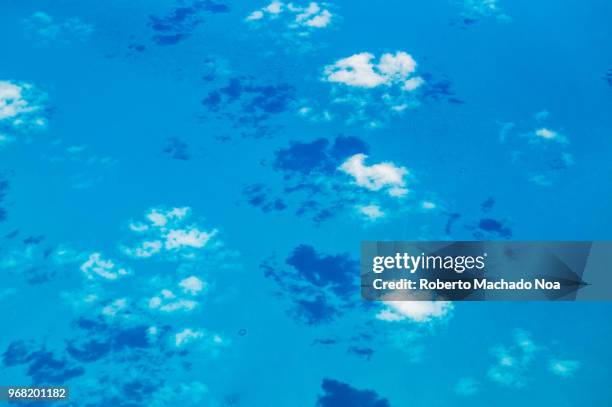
(184, 187)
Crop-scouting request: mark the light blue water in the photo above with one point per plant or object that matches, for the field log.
(163, 104)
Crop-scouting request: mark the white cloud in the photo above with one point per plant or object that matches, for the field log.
(275, 7)
(189, 335)
(312, 16)
(396, 67)
(115, 307)
(321, 20)
(356, 70)
(96, 265)
(385, 175)
(428, 205)
(179, 305)
(12, 102)
(138, 227)
(255, 15)
(160, 218)
(145, 249)
(359, 70)
(525, 343)
(22, 106)
(192, 285)
(413, 83)
(371, 212)
(371, 91)
(513, 362)
(186, 336)
(168, 302)
(416, 311)
(546, 134)
(315, 115)
(191, 237)
(538, 150)
(165, 231)
(563, 368)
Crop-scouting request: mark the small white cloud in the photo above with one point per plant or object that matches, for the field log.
(371, 212)
(255, 15)
(207, 340)
(428, 205)
(152, 333)
(539, 150)
(372, 91)
(384, 175)
(396, 67)
(563, 368)
(311, 16)
(22, 106)
(96, 265)
(192, 285)
(145, 249)
(321, 20)
(179, 305)
(550, 135)
(12, 102)
(356, 70)
(64, 254)
(165, 231)
(186, 336)
(138, 227)
(155, 302)
(115, 307)
(416, 311)
(513, 362)
(525, 343)
(413, 83)
(359, 70)
(317, 116)
(168, 302)
(160, 218)
(192, 237)
(275, 7)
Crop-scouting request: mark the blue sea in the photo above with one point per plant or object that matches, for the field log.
(184, 186)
